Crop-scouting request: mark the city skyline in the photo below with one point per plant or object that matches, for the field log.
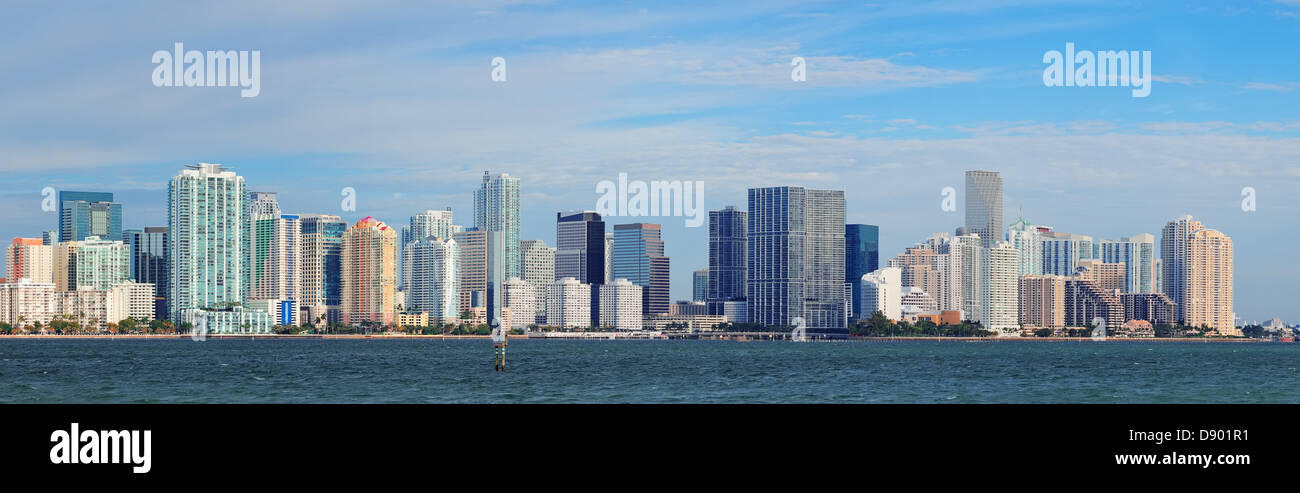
(899, 101)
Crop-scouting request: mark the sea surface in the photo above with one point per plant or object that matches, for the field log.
(567, 371)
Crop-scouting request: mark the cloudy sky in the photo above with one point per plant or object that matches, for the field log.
(900, 98)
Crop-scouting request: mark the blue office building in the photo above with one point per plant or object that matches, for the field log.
(861, 256)
(85, 214)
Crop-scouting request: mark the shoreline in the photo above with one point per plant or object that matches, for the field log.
(617, 337)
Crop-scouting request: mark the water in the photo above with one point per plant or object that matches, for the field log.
(460, 371)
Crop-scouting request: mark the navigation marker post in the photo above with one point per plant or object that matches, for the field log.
(498, 345)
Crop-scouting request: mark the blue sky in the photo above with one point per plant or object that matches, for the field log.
(900, 99)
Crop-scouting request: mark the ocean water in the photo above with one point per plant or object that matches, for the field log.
(460, 371)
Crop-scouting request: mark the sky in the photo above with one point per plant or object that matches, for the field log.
(397, 101)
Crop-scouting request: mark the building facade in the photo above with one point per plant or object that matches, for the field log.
(369, 273)
(208, 234)
(984, 206)
(728, 237)
(796, 258)
(639, 258)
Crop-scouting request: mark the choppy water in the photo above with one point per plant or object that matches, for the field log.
(460, 371)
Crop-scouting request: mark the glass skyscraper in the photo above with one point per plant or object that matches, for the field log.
(85, 214)
(580, 251)
(148, 250)
(796, 258)
(984, 206)
(321, 246)
(639, 258)
(208, 231)
(728, 235)
(861, 257)
(496, 208)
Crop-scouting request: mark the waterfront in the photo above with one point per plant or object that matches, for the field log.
(564, 371)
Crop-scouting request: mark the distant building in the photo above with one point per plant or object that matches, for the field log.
(882, 291)
(1111, 277)
(1029, 243)
(728, 237)
(639, 258)
(1042, 301)
(1156, 308)
(369, 273)
(236, 320)
(1137, 253)
(538, 269)
(92, 263)
(24, 302)
(700, 285)
(207, 235)
(1086, 301)
(984, 206)
(148, 253)
(568, 304)
(521, 298)
(861, 257)
(431, 272)
(621, 305)
(496, 209)
(796, 258)
(29, 258)
(86, 214)
(321, 254)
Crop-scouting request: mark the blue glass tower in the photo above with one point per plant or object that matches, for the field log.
(861, 256)
(84, 214)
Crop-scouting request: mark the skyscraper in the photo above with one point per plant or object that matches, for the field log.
(276, 268)
(1062, 252)
(881, 291)
(984, 206)
(1137, 253)
(432, 274)
(639, 258)
(321, 260)
(622, 305)
(208, 231)
(1198, 272)
(796, 258)
(148, 251)
(1026, 239)
(90, 263)
(427, 224)
(580, 252)
(861, 256)
(85, 214)
(472, 268)
(29, 258)
(728, 237)
(1208, 286)
(539, 269)
(369, 273)
(700, 285)
(496, 208)
(999, 288)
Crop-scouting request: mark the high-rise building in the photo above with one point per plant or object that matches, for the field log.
(728, 237)
(432, 272)
(568, 303)
(26, 303)
(984, 206)
(881, 291)
(580, 244)
(920, 269)
(1109, 276)
(1062, 252)
(148, 251)
(639, 258)
(427, 224)
(91, 263)
(861, 256)
(1152, 307)
(49, 237)
(1042, 301)
(621, 305)
(496, 209)
(700, 285)
(276, 258)
(29, 258)
(1197, 273)
(520, 298)
(796, 258)
(472, 268)
(1028, 241)
(208, 232)
(538, 269)
(1137, 253)
(86, 214)
(321, 251)
(1086, 301)
(999, 289)
(1209, 287)
(369, 273)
